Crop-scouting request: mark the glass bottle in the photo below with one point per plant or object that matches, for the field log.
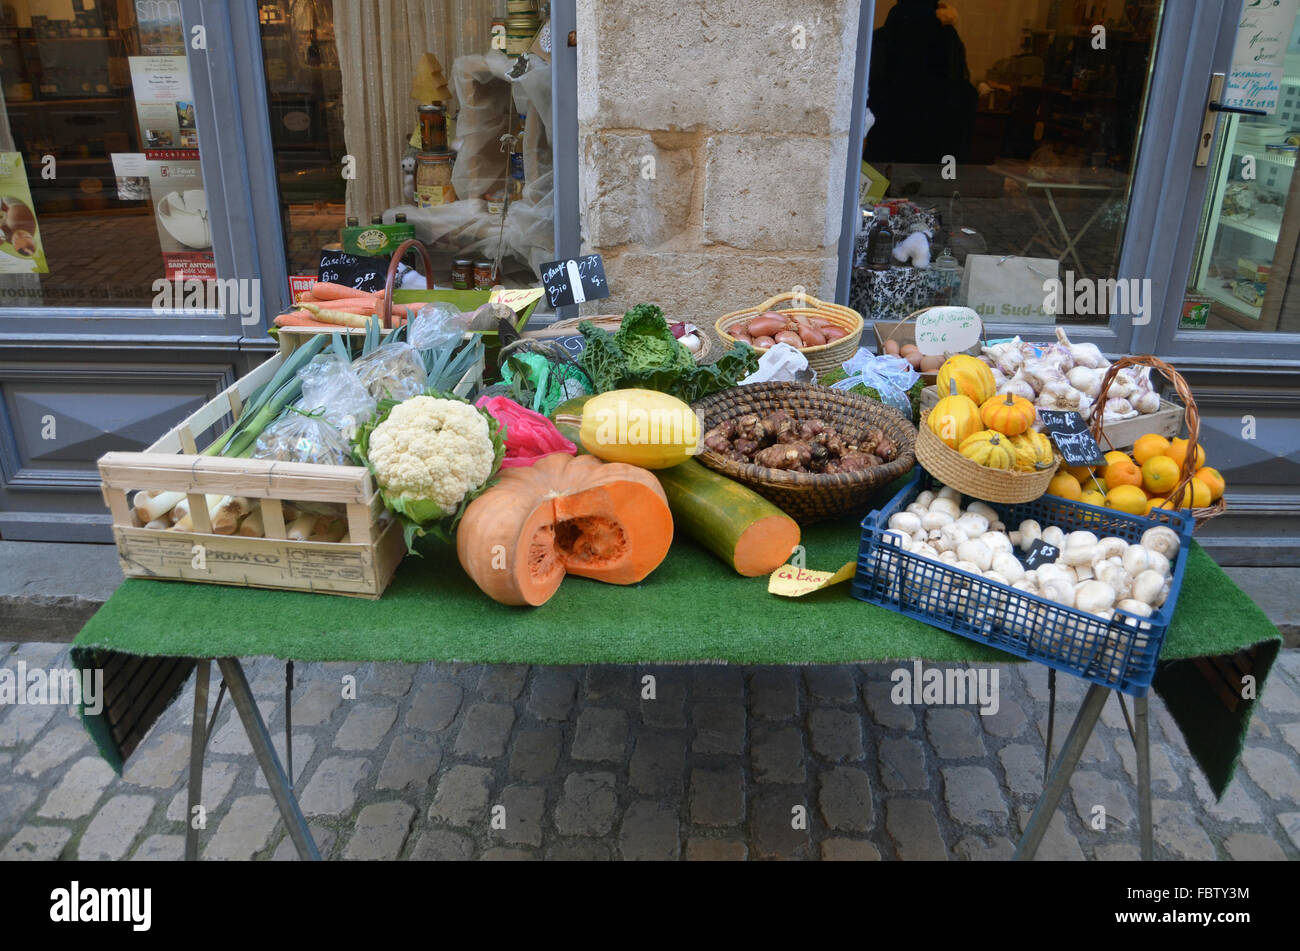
(880, 246)
(947, 278)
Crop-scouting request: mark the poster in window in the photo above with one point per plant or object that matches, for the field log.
(164, 105)
(20, 237)
(161, 30)
(180, 209)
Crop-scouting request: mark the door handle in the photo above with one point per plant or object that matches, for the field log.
(1212, 109)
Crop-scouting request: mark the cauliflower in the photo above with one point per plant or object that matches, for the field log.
(429, 454)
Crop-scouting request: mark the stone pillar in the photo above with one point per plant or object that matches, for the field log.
(713, 136)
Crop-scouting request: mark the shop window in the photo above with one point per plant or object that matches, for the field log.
(1250, 223)
(1006, 130)
(100, 189)
(438, 113)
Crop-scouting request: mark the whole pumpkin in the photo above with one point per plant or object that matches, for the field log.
(988, 448)
(564, 515)
(1033, 451)
(1008, 414)
(973, 377)
(954, 418)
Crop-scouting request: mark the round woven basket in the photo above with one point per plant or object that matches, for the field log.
(970, 478)
(826, 357)
(1191, 413)
(805, 496)
(709, 348)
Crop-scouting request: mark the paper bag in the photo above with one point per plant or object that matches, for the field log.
(1009, 288)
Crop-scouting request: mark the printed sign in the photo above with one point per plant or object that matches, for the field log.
(181, 213)
(1040, 553)
(132, 172)
(299, 285)
(164, 105)
(575, 280)
(1070, 433)
(350, 270)
(21, 251)
(791, 581)
(1258, 57)
(944, 330)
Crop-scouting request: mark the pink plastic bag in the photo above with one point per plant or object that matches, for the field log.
(529, 435)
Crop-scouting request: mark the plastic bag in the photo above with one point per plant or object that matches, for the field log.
(331, 387)
(437, 326)
(781, 363)
(298, 437)
(889, 376)
(392, 371)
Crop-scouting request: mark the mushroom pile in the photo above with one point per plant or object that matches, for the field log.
(1068, 376)
(1109, 578)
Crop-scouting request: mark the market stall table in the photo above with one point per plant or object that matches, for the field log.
(692, 608)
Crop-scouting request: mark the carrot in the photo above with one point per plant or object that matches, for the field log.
(300, 318)
(351, 305)
(335, 316)
(328, 291)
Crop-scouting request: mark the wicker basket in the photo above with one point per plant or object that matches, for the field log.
(826, 357)
(970, 478)
(709, 349)
(1191, 413)
(805, 496)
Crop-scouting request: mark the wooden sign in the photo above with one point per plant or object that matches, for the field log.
(1070, 433)
(575, 280)
(1040, 553)
(944, 330)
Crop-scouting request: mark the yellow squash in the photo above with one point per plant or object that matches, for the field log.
(1033, 451)
(973, 377)
(641, 428)
(954, 418)
(989, 448)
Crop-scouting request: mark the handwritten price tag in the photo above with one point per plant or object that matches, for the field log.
(791, 581)
(575, 280)
(943, 330)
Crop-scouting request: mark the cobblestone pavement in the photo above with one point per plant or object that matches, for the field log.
(572, 763)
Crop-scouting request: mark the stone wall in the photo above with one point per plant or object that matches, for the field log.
(713, 136)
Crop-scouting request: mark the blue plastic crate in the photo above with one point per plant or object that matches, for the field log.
(1120, 653)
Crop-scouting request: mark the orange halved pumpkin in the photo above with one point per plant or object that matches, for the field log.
(564, 515)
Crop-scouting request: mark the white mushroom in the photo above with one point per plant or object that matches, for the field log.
(932, 521)
(995, 577)
(1159, 564)
(1115, 576)
(973, 524)
(950, 536)
(926, 551)
(1053, 536)
(1016, 539)
(975, 551)
(970, 566)
(1094, 597)
(1137, 559)
(1112, 545)
(997, 541)
(1084, 572)
(917, 509)
(980, 508)
(1028, 531)
(1161, 539)
(1007, 565)
(1025, 585)
(925, 498)
(905, 522)
(945, 504)
(1079, 539)
(1080, 554)
(1147, 588)
(1057, 589)
(997, 526)
(1133, 606)
(948, 492)
(948, 556)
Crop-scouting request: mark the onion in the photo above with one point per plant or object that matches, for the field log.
(767, 325)
(764, 342)
(835, 333)
(790, 337)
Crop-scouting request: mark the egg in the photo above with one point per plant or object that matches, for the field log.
(914, 358)
(931, 364)
(891, 347)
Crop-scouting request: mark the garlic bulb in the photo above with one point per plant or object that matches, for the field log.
(1083, 354)
(1018, 385)
(1086, 380)
(1118, 408)
(1042, 371)
(1146, 402)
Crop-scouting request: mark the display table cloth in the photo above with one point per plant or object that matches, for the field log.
(692, 608)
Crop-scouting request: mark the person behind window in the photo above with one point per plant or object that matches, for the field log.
(919, 88)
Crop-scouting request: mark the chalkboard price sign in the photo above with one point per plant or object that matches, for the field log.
(350, 270)
(573, 344)
(1040, 553)
(575, 280)
(1070, 433)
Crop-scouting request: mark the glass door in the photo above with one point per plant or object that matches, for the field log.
(1235, 265)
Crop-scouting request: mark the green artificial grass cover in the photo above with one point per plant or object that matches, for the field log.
(692, 608)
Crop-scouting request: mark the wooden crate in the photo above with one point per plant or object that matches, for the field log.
(1167, 421)
(291, 338)
(360, 566)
